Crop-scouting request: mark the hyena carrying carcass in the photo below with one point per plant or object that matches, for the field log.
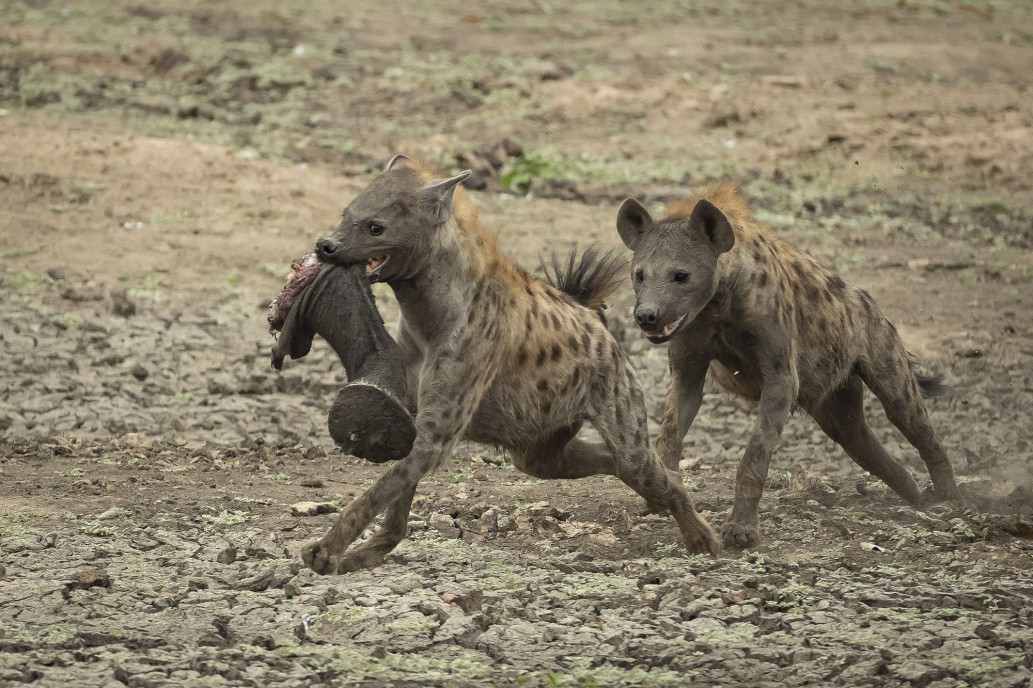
(773, 326)
(497, 357)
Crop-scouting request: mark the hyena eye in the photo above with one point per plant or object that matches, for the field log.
(681, 276)
(639, 276)
(376, 229)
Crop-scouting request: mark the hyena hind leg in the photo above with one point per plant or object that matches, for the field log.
(887, 372)
(841, 416)
(563, 455)
(619, 414)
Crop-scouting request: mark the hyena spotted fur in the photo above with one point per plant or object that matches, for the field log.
(774, 326)
(495, 356)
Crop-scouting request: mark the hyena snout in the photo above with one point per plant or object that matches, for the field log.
(325, 249)
(646, 315)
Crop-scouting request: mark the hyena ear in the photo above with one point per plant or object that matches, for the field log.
(396, 162)
(440, 192)
(708, 218)
(633, 222)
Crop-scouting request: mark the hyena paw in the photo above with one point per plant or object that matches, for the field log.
(702, 540)
(938, 494)
(361, 559)
(654, 508)
(318, 558)
(740, 534)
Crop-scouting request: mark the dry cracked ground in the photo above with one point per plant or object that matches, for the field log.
(161, 163)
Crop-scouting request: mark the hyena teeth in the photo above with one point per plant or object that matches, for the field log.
(671, 327)
(374, 264)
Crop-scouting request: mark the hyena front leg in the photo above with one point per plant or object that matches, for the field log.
(453, 384)
(618, 411)
(777, 397)
(412, 357)
(684, 396)
(392, 531)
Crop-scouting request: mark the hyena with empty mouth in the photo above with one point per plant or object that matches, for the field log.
(774, 326)
(495, 356)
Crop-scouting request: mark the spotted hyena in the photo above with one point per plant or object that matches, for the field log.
(773, 326)
(495, 356)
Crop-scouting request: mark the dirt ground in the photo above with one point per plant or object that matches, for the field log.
(161, 163)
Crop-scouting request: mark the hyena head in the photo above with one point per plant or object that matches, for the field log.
(392, 225)
(675, 264)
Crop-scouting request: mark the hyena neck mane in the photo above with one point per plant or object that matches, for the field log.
(461, 254)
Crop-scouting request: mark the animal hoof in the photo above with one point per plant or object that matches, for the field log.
(317, 558)
(367, 422)
(741, 535)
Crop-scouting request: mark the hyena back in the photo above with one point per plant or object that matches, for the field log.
(495, 356)
(774, 326)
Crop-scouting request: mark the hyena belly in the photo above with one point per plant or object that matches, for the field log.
(830, 344)
(543, 391)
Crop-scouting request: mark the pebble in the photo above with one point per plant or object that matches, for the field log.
(89, 578)
(312, 508)
(227, 555)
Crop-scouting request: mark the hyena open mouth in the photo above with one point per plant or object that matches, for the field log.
(303, 271)
(662, 335)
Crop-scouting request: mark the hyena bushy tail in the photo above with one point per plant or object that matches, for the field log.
(929, 385)
(590, 278)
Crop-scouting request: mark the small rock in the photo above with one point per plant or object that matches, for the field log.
(165, 601)
(469, 602)
(122, 305)
(312, 482)
(85, 293)
(784, 80)
(227, 556)
(90, 578)
(554, 71)
(139, 372)
(444, 524)
(292, 588)
(651, 578)
(312, 508)
(441, 521)
(197, 584)
(258, 583)
(489, 520)
(113, 512)
(723, 118)
(689, 464)
(3, 571)
(56, 274)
